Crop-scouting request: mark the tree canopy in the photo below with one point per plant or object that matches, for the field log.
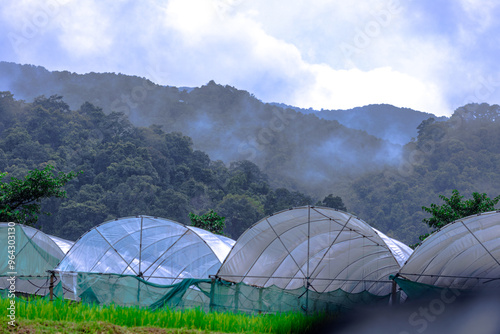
(334, 202)
(455, 208)
(20, 199)
(128, 170)
(209, 221)
(462, 153)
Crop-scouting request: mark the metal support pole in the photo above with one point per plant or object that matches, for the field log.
(51, 285)
(394, 294)
(236, 297)
(212, 293)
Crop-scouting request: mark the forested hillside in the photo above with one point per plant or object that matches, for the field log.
(128, 170)
(296, 150)
(396, 125)
(461, 153)
(247, 159)
(384, 121)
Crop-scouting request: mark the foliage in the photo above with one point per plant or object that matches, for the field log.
(461, 153)
(334, 202)
(294, 147)
(69, 317)
(454, 208)
(244, 211)
(209, 221)
(128, 170)
(156, 170)
(20, 200)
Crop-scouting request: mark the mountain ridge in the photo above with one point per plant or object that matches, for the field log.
(375, 118)
(227, 123)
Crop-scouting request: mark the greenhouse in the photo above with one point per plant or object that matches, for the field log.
(35, 254)
(463, 255)
(326, 258)
(136, 260)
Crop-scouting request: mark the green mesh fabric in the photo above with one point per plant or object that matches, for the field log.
(415, 290)
(249, 299)
(213, 295)
(129, 290)
(32, 259)
(35, 253)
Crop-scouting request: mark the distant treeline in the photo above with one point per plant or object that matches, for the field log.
(460, 153)
(274, 156)
(128, 170)
(296, 150)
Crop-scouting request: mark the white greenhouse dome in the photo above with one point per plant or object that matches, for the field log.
(321, 248)
(157, 250)
(464, 254)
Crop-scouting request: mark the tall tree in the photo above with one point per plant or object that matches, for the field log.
(334, 202)
(20, 199)
(455, 208)
(210, 221)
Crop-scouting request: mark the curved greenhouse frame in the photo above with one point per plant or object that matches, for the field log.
(35, 253)
(157, 250)
(462, 255)
(320, 248)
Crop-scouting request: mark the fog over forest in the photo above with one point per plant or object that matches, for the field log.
(384, 162)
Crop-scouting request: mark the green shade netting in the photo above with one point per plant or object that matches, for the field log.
(129, 290)
(249, 299)
(415, 290)
(212, 295)
(35, 253)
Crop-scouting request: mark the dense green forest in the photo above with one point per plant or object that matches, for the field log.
(296, 150)
(136, 161)
(128, 170)
(461, 153)
(384, 121)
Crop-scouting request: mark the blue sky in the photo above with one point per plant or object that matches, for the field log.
(429, 55)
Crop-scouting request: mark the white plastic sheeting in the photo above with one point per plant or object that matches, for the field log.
(159, 250)
(322, 248)
(462, 255)
(400, 251)
(64, 245)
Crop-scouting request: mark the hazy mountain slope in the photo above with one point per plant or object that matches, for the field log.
(127, 170)
(396, 125)
(461, 153)
(227, 123)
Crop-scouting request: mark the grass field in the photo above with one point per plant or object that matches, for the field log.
(43, 316)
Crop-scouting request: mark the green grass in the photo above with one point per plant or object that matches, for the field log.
(79, 317)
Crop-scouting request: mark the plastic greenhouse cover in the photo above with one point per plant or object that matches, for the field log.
(334, 249)
(464, 254)
(63, 244)
(400, 251)
(159, 250)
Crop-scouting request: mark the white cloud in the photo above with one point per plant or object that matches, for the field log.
(85, 28)
(280, 51)
(480, 12)
(240, 52)
(347, 89)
